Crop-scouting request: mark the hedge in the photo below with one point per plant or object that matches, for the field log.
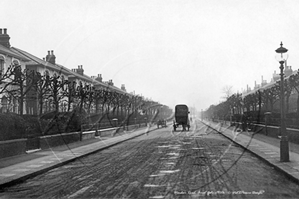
(12, 126)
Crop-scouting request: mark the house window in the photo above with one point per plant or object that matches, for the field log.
(3, 104)
(46, 73)
(1, 65)
(15, 105)
(18, 72)
(16, 62)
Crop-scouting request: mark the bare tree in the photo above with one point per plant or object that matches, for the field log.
(227, 90)
(42, 88)
(90, 97)
(56, 86)
(293, 83)
(5, 78)
(70, 93)
(20, 85)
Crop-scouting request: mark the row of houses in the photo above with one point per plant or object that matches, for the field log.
(288, 72)
(10, 56)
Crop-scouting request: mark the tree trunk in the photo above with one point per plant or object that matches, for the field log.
(97, 106)
(81, 105)
(271, 104)
(21, 99)
(267, 105)
(55, 103)
(89, 108)
(69, 104)
(21, 102)
(297, 101)
(41, 105)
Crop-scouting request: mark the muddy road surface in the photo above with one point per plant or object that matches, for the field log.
(200, 163)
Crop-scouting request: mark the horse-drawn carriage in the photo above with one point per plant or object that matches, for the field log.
(161, 123)
(181, 117)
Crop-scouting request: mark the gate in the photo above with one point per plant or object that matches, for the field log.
(32, 143)
(33, 140)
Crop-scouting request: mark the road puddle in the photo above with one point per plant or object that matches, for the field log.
(170, 171)
(153, 185)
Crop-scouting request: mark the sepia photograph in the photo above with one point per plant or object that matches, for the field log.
(149, 99)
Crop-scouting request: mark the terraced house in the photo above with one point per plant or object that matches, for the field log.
(9, 58)
(37, 99)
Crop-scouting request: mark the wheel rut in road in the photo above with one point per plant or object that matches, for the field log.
(162, 164)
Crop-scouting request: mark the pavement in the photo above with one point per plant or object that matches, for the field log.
(264, 147)
(16, 169)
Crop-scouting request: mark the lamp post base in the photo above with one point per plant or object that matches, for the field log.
(284, 149)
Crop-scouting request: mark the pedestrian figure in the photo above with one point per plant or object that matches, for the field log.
(174, 125)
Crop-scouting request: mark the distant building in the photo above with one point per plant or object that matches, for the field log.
(263, 82)
(275, 77)
(123, 87)
(265, 85)
(287, 72)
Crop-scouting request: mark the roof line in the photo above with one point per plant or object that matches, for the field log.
(28, 55)
(10, 52)
(24, 54)
(60, 67)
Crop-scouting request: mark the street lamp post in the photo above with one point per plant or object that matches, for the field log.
(284, 143)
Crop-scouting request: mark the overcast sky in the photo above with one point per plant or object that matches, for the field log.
(183, 51)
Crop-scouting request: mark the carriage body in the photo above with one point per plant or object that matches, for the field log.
(181, 117)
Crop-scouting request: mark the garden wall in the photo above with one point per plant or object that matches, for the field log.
(12, 147)
(58, 140)
(273, 131)
(20, 146)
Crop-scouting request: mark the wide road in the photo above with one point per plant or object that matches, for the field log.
(200, 163)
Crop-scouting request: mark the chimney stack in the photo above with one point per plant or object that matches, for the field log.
(4, 38)
(50, 57)
(123, 87)
(99, 78)
(285, 63)
(80, 70)
(110, 82)
(288, 70)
